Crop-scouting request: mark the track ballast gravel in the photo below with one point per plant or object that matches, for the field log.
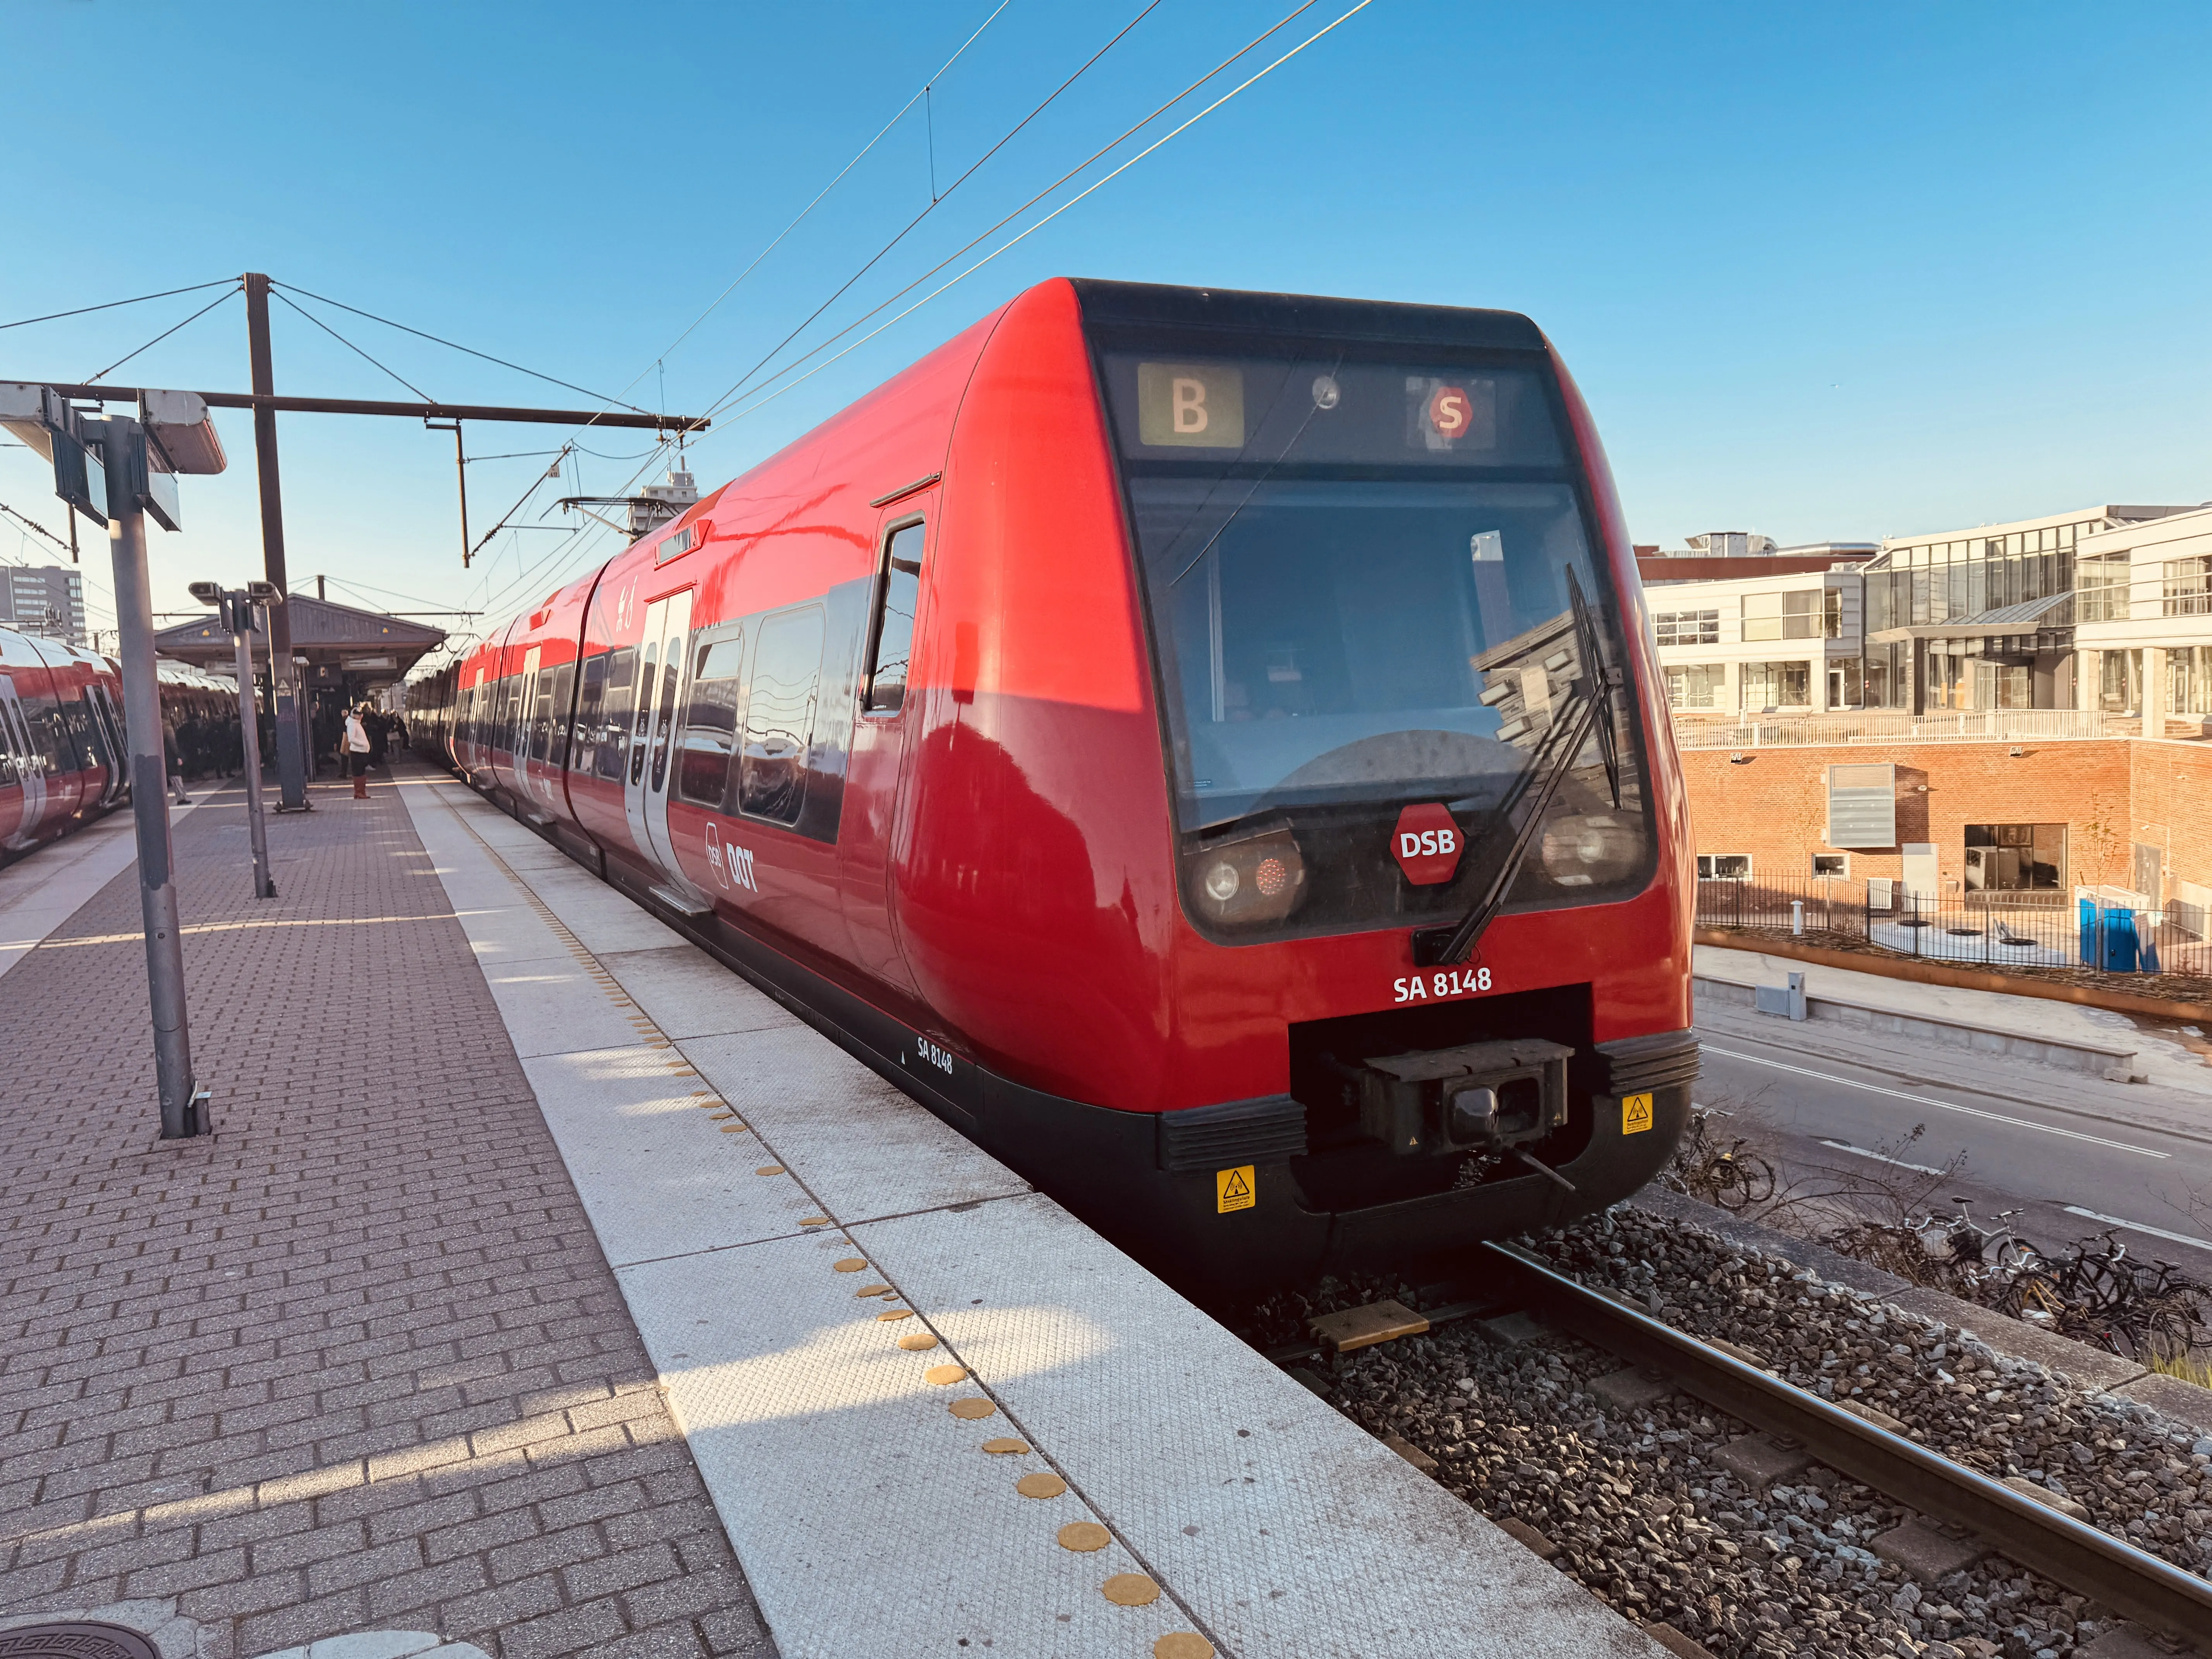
(1646, 1520)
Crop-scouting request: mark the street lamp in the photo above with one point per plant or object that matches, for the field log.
(236, 607)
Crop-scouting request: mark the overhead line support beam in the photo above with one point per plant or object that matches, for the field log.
(116, 394)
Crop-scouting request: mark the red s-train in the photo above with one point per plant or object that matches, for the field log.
(60, 740)
(1111, 729)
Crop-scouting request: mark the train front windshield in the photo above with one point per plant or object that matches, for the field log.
(1362, 577)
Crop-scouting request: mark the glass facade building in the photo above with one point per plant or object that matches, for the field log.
(1985, 619)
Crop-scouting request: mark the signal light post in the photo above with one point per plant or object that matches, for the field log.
(236, 608)
(118, 470)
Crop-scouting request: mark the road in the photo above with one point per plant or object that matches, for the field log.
(2071, 1173)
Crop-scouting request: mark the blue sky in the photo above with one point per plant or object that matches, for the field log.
(1823, 271)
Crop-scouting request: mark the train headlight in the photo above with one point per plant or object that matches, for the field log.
(1589, 851)
(1258, 876)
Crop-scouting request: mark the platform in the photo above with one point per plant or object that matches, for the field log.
(461, 1083)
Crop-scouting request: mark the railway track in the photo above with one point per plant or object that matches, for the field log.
(2129, 1582)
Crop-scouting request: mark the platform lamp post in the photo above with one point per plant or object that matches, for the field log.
(236, 607)
(118, 471)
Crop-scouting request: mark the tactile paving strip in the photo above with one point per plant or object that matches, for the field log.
(867, 1513)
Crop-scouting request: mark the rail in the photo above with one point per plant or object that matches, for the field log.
(2132, 1582)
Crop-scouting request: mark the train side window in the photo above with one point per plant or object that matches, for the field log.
(898, 589)
(541, 717)
(564, 678)
(643, 728)
(710, 725)
(781, 693)
(588, 699)
(614, 724)
(672, 682)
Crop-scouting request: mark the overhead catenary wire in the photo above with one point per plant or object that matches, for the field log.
(525, 574)
(937, 199)
(355, 350)
(83, 311)
(550, 379)
(859, 156)
(91, 379)
(729, 397)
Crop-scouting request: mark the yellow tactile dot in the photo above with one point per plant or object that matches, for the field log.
(918, 1342)
(814, 1221)
(733, 1128)
(1130, 1590)
(971, 1409)
(1040, 1486)
(1085, 1536)
(851, 1264)
(1182, 1645)
(1003, 1445)
(873, 1290)
(769, 1169)
(943, 1374)
(896, 1313)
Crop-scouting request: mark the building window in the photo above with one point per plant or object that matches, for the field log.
(2100, 589)
(1831, 864)
(1778, 685)
(2187, 592)
(1695, 685)
(2189, 679)
(1688, 626)
(2118, 678)
(1723, 866)
(1832, 613)
(2015, 858)
(1784, 616)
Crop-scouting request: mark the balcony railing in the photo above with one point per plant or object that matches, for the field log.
(1975, 726)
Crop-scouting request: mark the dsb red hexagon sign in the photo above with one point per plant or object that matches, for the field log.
(1427, 844)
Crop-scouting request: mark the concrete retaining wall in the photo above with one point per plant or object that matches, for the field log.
(2107, 1061)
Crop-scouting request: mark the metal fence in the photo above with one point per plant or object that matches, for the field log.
(2102, 928)
(1874, 725)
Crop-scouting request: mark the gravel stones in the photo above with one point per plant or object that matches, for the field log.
(1643, 1513)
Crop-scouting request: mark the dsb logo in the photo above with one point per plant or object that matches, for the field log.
(1427, 844)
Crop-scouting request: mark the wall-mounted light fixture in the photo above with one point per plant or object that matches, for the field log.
(2016, 754)
(1739, 759)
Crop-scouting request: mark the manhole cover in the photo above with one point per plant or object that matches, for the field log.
(75, 1639)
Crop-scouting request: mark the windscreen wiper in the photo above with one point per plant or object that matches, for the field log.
(1598, 680)
(1554, 757)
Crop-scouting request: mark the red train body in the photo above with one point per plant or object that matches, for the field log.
(1042, 725)
(60, 740)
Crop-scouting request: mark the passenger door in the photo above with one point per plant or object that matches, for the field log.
(108, 746)
(659, 692)
(29, 768)
(867, 843)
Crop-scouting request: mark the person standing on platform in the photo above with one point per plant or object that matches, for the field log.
(357, 753)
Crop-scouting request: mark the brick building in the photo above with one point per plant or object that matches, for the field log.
(2128, 813)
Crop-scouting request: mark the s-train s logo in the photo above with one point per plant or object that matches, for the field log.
(733, 863)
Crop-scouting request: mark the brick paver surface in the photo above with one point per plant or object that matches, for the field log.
(358, 1363)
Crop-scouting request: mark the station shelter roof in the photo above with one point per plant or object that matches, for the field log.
(344, 647)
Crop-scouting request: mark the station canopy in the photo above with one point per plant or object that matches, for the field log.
(344, 648)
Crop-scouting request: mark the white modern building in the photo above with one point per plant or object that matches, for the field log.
(1983, 618)
(1760, 644)
(2143, 622)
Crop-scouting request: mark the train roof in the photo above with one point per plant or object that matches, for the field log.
(1150, 304)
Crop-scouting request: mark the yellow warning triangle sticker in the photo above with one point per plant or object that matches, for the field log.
(1232, 1189)
(1635, 1114)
